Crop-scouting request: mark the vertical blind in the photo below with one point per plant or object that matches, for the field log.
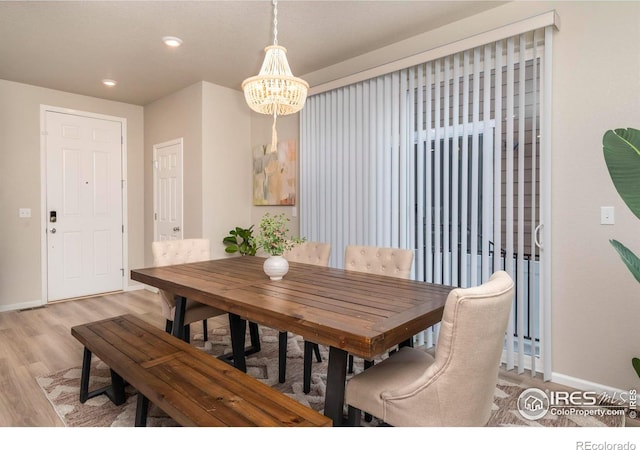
(444, 158)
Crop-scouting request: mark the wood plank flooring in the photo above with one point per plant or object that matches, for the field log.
(37, 342)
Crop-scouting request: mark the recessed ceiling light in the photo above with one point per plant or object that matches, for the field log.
(172, 41)
(109, 83)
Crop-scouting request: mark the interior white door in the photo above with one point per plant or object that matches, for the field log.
(167, 160)
(84, 205)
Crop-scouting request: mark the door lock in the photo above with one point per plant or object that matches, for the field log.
(176, 228)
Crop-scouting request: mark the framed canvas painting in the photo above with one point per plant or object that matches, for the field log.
(274, 174)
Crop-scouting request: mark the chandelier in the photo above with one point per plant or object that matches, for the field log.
(275, 91)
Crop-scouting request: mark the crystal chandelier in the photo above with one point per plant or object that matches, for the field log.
(275, 91)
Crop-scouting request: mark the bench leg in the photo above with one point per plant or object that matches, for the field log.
(115, 391)
(142, 409)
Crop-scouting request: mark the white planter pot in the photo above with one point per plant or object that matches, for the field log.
(276, 267)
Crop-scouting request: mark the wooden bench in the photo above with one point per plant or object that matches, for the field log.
(191, 386)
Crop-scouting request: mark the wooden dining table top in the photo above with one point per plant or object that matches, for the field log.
(360, 313)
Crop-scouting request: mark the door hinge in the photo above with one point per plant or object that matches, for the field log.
(122, 228)
(155, 216)
(121, 140)
(122, 270)
(155, 164)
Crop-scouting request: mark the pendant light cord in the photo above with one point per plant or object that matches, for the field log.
(275, 22)
(274, 133)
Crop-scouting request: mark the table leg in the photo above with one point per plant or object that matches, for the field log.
(178, 319)
(336, 377)
(238, 327)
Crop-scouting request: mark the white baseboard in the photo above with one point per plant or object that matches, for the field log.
(155, 290)
(134, 287)
(584, 385)
(23, 305)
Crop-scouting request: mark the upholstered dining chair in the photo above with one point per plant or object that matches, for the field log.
(183, 251)
(392, 262)
(454, 388)
(308, 252)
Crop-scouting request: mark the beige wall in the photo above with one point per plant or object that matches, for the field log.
(20, 245)
(226, 164)
(596, 62)
(215, 124)
(178, 115)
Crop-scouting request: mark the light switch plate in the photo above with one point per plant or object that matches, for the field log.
(606, 215)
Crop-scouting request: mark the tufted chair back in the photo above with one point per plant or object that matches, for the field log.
(169, 252)
(166, 253)
(392, 262)
(316, 253)
(456, 388)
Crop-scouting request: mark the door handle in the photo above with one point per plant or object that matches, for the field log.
(536, 233)
(53, 231)
(176, 228)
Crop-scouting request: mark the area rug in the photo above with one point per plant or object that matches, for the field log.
(62, 389)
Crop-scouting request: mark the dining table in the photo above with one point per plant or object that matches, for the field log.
(350, 312)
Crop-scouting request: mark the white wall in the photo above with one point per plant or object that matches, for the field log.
(20, 244)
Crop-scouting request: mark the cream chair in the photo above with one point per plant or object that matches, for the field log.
(392, 262)
(183, 251)
(412, 388)
(316, 253)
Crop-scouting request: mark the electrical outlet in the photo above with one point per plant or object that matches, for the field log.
(24, 213)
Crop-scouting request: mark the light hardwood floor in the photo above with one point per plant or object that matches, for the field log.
(37, 342)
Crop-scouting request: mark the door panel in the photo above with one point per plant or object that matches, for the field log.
(168, 190)
(84, 188)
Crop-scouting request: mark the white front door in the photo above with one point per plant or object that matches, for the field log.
(167, 163)
(83, 205)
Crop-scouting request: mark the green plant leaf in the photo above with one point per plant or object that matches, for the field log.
(231, 249)
(628, 257)
(621, 149)
(230, 240)
(636, 365)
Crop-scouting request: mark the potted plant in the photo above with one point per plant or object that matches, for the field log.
(622, 154)
(273, 237)
(240, 240)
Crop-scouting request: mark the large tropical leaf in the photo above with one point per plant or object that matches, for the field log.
(636, 365)
(622, 154)
(628, 257)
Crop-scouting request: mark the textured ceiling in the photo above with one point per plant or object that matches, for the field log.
(71, 46)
